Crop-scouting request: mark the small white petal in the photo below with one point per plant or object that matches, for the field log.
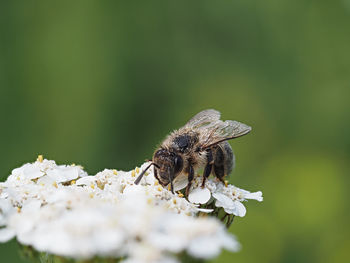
(86, 180)
(45, 181)
(199, 195)
(31, 172)
(180, 182)
(238, 209)
(64, 173)
(223, 200)
(204, 210)
(6, 234)
(256, 196)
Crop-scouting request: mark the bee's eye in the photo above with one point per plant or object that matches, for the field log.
(178, 164)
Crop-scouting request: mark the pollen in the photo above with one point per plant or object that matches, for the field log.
(40, 158)
(149, 200)
(100, 185)
(91, 195)
(72, 182)
(73, 164)
(156, 182)
(137, 170)
(115, 172)
(159, 189)
(133, 173)
(169, 187)
(226, 183)
(18, 209)
(92, 186)
(55, 184)
(180, 194)
(174, 201)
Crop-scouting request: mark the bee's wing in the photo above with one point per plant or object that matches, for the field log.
(203, 119)
(220, 131)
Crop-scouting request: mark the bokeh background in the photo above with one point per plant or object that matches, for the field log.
(100, 83)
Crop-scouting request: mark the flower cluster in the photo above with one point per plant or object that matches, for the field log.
(228, 197)
(61, 210)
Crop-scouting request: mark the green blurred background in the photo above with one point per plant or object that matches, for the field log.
(100, 83)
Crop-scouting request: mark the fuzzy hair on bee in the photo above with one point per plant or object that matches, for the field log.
(201, 143)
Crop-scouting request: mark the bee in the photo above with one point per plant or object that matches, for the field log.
(201, 143)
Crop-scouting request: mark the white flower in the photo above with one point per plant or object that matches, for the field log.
(60, 210)
(228, 197)
(230, 206)
(231, 198)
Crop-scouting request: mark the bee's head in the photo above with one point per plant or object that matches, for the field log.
(167, 165)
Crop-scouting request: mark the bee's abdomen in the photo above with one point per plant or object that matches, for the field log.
(230, 158)
(223, 159)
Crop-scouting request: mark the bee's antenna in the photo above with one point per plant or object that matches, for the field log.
(138, 179)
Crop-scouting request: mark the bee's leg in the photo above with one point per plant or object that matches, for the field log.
(208, 167)
(156, 175)
(207, 171)
(172, 187)
(220, 173)
(190, 178)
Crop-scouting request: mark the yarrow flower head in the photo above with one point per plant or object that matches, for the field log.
(61, 210)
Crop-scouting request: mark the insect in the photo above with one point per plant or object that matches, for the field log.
(202, 142)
